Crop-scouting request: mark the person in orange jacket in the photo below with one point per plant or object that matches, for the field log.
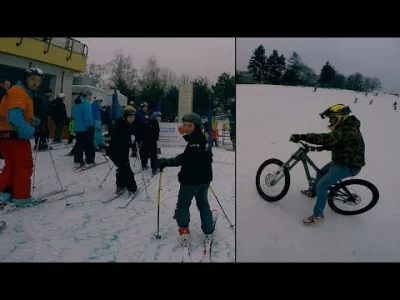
(17, 123)
(214, 136)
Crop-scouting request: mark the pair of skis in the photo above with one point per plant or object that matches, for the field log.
(207, 245)
(86, 167)
(130, 197)
(6, 208)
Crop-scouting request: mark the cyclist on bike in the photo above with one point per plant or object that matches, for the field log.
(348, 154)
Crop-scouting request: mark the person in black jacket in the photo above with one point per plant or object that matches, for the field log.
(153, 136)
(195, 176)
(41, 108)
(118, 150)
(5, 84)
(59, 116)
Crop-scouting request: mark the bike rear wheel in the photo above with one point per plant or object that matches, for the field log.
(341, 194)
(264, 179)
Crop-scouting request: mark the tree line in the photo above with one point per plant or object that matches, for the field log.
(153, 83)
(276, 69)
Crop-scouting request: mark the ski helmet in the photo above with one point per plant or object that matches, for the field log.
(33, 71)
(61, 95)
(337, 114)
(129, 111)
(144, 104)
(193, 118)
(156, 114)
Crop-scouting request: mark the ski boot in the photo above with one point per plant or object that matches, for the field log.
(26, 202)
(184, 233)
(120, 191)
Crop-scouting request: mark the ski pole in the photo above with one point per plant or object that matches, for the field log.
(34, 164)
(58, 176)
(158, 236)
(141, 169)
(109, 171)
(212, 191)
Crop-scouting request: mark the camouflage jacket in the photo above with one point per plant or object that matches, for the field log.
(346, 143)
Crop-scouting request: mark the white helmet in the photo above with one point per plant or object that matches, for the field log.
(61, 95)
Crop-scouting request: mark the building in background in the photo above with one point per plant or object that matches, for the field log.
(59, 58)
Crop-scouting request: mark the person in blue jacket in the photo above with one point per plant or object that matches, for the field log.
(96, 111)
(84, 129)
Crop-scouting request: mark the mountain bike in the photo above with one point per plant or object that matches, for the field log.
(338, 194)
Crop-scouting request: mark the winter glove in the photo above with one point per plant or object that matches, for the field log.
(36, 121)
(162, 163)
(295, 138)
(322, 148)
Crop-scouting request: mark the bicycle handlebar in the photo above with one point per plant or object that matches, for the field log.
(307, 147)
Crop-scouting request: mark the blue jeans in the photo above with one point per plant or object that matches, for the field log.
(185, 196)
(330, 174)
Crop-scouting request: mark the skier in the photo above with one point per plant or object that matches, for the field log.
(59, 116)
(395, 106)
(355, 100)
(17, 123)
(143, 134)
(98, 137)
(370, 102)
(118, 150)
(154, 135)
(41, 109)
(194, 178)
(348, 154)
(84, 130)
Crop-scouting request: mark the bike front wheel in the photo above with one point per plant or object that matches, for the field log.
(262, 180)
(344, 200)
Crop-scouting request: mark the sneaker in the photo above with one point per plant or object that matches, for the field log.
(309, 193)
(313, 219)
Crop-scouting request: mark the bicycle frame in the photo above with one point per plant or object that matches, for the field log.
(299, 155)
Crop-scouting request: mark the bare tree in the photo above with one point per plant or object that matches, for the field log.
(168, 78)
(121, 69)
(151, 73)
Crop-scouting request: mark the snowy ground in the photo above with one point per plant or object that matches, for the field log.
(273, 232)
(91, 231)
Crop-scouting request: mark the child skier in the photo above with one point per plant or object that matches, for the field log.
(17, 123)
(118, 150)
(348, 154)
(195, 176)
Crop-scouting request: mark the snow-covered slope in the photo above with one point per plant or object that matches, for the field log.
(90, 231)
(273, 232)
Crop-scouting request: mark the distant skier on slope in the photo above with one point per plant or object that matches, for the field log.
(348, 154)
(119, 148)
(195, 177)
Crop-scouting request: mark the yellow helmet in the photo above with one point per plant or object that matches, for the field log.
(129, 110)
(337, 114)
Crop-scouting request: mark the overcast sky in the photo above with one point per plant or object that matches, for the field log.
(372, 57)
(195, 56)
